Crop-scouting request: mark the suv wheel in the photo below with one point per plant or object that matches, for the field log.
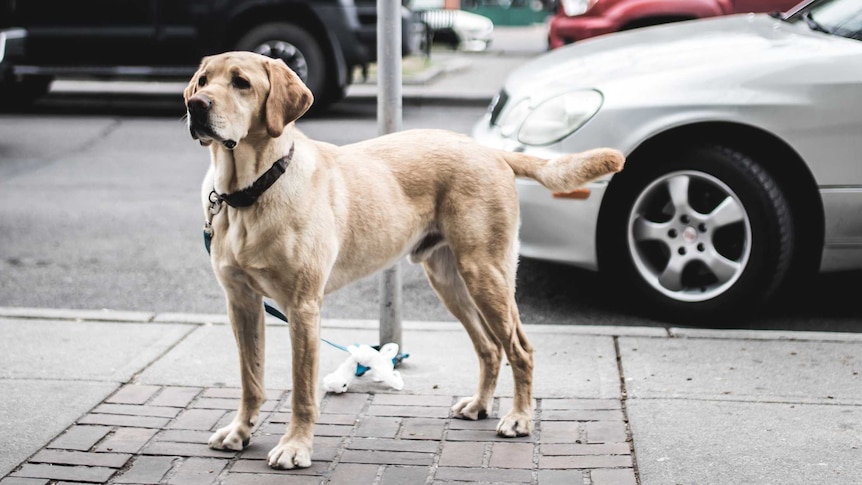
(297, 48)
(702, 234)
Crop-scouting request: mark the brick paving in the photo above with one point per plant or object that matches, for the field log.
(157, 435)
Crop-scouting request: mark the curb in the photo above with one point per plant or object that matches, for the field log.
(412, 94)
(119, 316)
(417, 88)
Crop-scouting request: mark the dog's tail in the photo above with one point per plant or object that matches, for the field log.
(568, 172)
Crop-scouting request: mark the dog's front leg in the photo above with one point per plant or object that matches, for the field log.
(295, 447)
(246, 317)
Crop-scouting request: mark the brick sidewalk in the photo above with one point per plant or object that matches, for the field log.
(153, 434)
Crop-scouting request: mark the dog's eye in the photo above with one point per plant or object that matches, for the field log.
(202, 81)
(240, 83)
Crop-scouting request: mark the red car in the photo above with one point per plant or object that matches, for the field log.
(577, 20)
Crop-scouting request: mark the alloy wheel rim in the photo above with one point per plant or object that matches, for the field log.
(689, 236)
(287, 52)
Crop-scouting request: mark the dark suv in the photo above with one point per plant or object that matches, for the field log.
(322, 40)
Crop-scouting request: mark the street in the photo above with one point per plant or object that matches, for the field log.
(100, 208)
(119, 362)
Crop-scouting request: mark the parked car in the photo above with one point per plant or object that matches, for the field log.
(576, 20)
(742, 136)
(322, 40)
(461, 30)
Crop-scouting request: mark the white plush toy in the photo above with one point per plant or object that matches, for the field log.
(379, 365)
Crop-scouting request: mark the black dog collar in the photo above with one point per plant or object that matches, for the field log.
(249, 195)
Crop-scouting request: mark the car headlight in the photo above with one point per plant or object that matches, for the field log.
(513, 120)
(577, 7)
(552, 119)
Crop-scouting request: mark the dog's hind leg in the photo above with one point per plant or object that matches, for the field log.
(491, 285)
(443, 275)
(245, 309)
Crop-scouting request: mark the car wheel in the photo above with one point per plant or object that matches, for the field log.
(298, 49)
(702, 234)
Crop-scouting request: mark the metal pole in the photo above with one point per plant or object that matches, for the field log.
(389, 121)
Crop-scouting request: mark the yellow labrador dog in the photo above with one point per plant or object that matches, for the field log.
(293, 219)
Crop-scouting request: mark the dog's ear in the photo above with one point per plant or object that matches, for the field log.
(192, 87)
(288, 97)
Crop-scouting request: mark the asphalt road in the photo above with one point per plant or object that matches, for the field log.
(99, 208)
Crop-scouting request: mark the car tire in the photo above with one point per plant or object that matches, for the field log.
(697, 234)
(300, 51)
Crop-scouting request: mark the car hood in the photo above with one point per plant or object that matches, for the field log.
(707, 49)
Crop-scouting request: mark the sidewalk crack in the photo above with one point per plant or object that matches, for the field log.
(134, 378)
(624, 407)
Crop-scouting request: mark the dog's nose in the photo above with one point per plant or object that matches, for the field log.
(199, 104)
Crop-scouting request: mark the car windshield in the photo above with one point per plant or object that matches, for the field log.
(836, 17)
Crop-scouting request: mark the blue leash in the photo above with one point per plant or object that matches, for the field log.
(281, 316)
(360, 369)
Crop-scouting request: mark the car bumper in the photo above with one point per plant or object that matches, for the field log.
(476, 41)
(11, 44)
(559, 229)
(842, 248)
(552, 228)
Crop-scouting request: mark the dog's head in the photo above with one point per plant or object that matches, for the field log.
(235, 94)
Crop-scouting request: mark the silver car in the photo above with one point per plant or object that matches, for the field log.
(743, 137)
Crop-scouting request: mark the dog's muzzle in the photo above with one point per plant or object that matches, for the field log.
(198, 108)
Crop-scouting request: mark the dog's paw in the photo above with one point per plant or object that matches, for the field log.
(471, 408)
(515, 424)
(289, 454)
(232, 437)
